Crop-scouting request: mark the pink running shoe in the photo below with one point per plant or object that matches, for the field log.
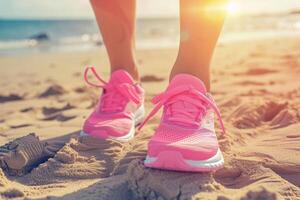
(119, 109)
(185, 139)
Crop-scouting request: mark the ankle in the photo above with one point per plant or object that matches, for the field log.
(202, 75)
(132, 70)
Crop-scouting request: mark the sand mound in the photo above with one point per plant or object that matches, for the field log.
(257, 113)
(257, 91)
(81, 158)
(23, 154)
(159, 184)
(247, 176)
(112, 188)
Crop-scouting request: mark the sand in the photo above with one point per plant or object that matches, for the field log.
(44, 101)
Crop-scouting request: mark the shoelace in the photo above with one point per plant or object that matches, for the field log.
(165, 98)
(110, 101)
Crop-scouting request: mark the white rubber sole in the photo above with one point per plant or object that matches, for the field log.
(138, 118)
(173, 160)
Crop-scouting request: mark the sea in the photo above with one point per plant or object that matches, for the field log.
(24, 36)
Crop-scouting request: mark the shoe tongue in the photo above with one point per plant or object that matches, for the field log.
(187, 79)
(121, 76)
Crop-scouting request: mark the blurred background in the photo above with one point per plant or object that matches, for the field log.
(32, 26)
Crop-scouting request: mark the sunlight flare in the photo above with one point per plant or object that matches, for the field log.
(232, 8)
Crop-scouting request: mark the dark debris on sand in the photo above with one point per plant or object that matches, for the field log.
(52, 110)
(151, 78)
(11, 97)
(24, 110)
(59, 117)
(53, 90)
(12, 193)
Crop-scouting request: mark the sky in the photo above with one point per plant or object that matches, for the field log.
(146, 8)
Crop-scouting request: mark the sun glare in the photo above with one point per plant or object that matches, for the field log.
(232, 8)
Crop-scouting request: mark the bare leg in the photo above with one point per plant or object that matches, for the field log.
(116, 19)
(200, 25)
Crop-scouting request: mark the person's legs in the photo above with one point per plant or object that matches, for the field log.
(120, 107)
(116, 20)
(200, 25)
(185, 139)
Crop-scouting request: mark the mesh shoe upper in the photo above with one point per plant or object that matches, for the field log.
(115, 110)
(187, 122)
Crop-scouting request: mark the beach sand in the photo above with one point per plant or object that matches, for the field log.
(255, 83)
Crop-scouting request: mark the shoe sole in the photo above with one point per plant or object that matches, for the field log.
(173, 160)
(138, 118)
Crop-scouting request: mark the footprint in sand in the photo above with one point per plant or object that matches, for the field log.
(9, 98)
(254, 114)
(243, 172)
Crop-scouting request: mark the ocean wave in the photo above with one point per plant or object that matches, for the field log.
(151, 33)
(85, 38)
(18, 44)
